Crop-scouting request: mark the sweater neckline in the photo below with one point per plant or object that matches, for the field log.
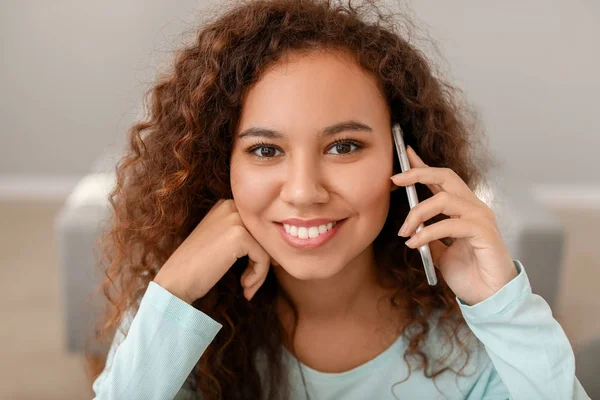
(364, 369)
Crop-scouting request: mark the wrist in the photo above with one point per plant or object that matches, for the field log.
(510, 275)
(171, 288)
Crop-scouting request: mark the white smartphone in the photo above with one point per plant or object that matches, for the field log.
(413, 201)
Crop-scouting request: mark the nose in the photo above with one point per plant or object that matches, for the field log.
(303, 185)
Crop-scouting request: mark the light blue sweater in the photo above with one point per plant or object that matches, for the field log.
(520, 352)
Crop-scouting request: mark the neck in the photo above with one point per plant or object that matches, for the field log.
(351, 294)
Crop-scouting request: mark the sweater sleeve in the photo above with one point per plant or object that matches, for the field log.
(531, 355)
(165, 340)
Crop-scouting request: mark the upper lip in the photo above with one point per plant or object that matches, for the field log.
(309, 222)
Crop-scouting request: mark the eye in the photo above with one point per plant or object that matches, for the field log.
(344, 146)
(263, 151)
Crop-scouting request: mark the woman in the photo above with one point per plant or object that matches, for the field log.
(256, 252)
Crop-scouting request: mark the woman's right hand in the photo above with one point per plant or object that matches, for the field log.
(208, 253)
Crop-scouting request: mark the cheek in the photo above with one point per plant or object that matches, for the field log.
(251, 190)
(367, 190)
(372, 196)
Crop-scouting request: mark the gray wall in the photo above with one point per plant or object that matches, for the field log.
(531, 67)
(72, 74)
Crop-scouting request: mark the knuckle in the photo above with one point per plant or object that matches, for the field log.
(443, 196)
(486, 213)
(230, 204)
(237, 232)
(238, 252)
(449, 171)
(234, 218)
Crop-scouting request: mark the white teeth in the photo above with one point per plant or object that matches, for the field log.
(308, 232)
(313, 232)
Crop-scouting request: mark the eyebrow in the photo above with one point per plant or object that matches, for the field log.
(328, 131)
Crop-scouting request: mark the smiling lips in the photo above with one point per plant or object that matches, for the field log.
(309, 231)
(308, 234)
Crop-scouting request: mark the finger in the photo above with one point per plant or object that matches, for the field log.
(220, 207)
(417, 162)
(455, 228)
(441, 203)
(258, 267)
(230, 205)
(414, 159)
(250, 276)
(249, 292)
(437, 179)
(244, 279)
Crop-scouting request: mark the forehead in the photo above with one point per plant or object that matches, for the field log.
(310, 91)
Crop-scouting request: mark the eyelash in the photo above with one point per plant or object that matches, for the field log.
(336, 142)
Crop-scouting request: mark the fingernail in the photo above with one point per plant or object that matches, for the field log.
(410, 242)
(403, 229)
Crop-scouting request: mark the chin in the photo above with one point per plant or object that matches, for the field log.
(306, 270)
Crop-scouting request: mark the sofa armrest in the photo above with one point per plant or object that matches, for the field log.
(84, 216)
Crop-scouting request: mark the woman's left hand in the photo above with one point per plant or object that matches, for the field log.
(478, 263)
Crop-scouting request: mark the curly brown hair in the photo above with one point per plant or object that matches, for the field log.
(177, 168)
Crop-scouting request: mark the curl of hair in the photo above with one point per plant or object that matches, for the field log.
(177, 167)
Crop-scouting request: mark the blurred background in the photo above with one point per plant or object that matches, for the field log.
(72, 74)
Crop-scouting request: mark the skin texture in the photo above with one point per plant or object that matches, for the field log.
(334, 286)
(306, 177)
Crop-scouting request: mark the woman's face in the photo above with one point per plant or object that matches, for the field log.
(298, 171)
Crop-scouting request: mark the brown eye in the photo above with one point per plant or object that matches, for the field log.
(344, 147)
(263, 151)
(267, 152)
